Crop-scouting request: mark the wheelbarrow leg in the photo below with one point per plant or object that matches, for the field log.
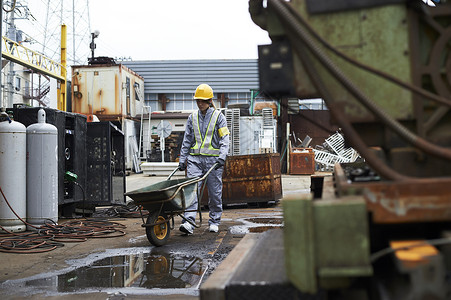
(189, 221)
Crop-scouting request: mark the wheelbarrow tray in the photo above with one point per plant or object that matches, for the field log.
(152, 196)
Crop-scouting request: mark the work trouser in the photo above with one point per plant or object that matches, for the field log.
(198, 165)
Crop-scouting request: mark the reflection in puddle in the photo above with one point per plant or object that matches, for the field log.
(259, 229)
(145, 270)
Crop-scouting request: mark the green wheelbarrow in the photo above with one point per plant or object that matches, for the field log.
(164, 200)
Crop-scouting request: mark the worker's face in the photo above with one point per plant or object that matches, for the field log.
(203, 105)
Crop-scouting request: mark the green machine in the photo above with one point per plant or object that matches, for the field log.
(383, 67)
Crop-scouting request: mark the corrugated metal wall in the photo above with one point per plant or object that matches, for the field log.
(183, 76)
(178, 79)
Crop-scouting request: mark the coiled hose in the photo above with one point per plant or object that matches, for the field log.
(50, 236)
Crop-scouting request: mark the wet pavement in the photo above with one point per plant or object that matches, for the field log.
(145, 271)
(129, 267)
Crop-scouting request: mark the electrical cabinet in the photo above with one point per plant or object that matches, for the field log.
(105, 164)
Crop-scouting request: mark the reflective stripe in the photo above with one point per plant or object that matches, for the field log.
(205, 144)
(197, 136)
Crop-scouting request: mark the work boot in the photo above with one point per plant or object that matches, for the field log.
(186, 228)
(213, 228)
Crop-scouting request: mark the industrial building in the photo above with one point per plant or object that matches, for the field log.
(337, 184)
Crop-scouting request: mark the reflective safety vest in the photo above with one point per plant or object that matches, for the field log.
(203, 146)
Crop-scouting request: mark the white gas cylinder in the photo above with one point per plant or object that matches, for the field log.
(42, 172)
(12, 174)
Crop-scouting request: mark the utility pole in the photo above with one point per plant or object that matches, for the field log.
(1, 49)
(16, 36)
(11, 73)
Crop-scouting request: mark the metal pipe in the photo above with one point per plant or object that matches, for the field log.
(62, 93)
(1, 51)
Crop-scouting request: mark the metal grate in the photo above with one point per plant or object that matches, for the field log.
(268, 132)
(236, 132)
(350, 154)
(327, 158)
(229, 119)
(267, 118)
(336, 142)
(233, 123)
(334, 151)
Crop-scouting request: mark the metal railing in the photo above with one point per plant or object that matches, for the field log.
(29, 58)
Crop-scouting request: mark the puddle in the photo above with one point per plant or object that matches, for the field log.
(266, 220)
(260, 229)
(256, 225)
(137, 270)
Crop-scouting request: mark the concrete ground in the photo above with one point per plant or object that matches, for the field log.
(35, 276)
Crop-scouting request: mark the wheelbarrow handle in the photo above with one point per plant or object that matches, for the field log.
(200, 179)
(173, 172)
(208, 172)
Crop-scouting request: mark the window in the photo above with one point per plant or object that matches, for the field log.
(137, 91)
(17, 84)
(127, 95)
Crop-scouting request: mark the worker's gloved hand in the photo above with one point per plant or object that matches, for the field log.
(220, 163)
(182, 166)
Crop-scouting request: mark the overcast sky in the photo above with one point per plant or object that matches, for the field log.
(175, 29)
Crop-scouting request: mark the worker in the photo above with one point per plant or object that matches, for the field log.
(205, 143)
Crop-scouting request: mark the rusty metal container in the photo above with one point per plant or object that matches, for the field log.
(109, 91)
(250, 179)
(302, 161)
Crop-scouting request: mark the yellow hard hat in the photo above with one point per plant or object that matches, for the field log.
(204, 92)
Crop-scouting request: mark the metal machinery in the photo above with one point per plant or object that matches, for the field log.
(384, 69)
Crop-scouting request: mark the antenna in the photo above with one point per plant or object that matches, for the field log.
(75, 15)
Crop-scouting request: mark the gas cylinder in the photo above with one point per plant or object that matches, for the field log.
(12, 174)
(42, 172)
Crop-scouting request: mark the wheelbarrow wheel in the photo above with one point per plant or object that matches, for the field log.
(157, 235)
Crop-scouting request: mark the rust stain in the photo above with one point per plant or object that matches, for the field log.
(76, 96)
(401, 202)
(106, 117)
(302, 161)
(132, 72)
(251, 178)
(117, 93)
(260, 229)
(101, 111)
(132, 96)
(106, 97)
